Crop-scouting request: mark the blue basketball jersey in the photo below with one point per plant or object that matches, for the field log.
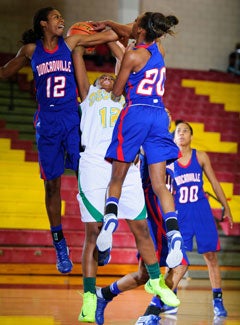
(147, 85)
(187, 181)
(54, 77)
(195, 218)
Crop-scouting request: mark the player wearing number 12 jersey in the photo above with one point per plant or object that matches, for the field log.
(57, 119)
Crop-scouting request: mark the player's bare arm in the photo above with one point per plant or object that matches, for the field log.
(126, 68)
(80, 72)
(205, 162)
(21, 59)
(91, 40)
(123, 30)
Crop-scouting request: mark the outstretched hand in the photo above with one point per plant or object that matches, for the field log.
(98, 25)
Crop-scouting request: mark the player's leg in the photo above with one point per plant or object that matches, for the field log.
(128, 282)
(89, 270)
(110, 220)
(156, 284)
(215, 279)
(157, 174)
(208, 244)
(53, 207)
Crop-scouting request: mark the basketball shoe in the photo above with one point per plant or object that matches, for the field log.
(148, 320)
(218, 308)
(163, 308)
(101, 305)
(104, 240)
(104, 257)
(64, 264)
(87, 314)
(168, 310)
(158, 287)
(175, 246)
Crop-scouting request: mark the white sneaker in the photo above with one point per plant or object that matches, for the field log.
(104, 240)
(175, 255)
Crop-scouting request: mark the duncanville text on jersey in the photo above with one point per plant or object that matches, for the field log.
(54, 66)
(186, 178)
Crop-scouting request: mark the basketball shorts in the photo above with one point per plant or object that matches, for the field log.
(58, 142)
(196, 220)
(93, 183)
(146, 126)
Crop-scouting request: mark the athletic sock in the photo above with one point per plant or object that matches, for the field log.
(57, 233)
(111, 291)
(152, 310)
(171, 221)
(89, 284)
(217, 293)
(153, 270)
(111, 205)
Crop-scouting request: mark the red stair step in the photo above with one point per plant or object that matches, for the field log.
(5, 133)
(39, 238)
(47, 255)
(2, 123)
(69, 182)
(31, 156)
(234, 231)
(21, 144)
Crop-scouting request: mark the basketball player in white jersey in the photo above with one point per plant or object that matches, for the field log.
(99, 114)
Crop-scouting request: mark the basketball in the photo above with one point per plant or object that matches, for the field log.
(82, 28)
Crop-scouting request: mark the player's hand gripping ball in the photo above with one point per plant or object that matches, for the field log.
(83, 28)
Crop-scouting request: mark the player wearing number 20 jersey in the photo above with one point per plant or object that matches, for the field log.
(194, 213)
(57, 118)
(144, 121)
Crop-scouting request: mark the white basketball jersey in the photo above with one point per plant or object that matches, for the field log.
(99, 115)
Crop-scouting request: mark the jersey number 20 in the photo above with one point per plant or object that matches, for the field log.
(153, 82)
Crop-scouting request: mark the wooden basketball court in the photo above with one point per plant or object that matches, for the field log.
(56, 300)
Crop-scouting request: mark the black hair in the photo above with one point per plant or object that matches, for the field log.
(184, 122)
(32, 35)
(156, 25)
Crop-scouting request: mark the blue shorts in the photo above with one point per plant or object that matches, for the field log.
(196, 219)
(58, 142)
(146, 126)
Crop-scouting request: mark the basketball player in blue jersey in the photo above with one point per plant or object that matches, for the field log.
(143, 122)
(195, 217)
(57, 118)
(157, 229)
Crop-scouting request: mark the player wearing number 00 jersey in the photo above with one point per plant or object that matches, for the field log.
(194, 213)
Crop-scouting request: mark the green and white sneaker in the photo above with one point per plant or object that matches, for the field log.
(158, 287)
(89, 306)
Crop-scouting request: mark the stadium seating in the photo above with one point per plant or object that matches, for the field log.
(24, 224)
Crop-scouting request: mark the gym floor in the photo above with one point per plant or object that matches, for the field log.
(36, 303)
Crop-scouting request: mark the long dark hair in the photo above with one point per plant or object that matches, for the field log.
(31, 35)
(156, 25)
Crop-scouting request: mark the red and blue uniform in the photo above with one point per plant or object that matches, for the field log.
(155, 219)
(195, 218)
(57, 118)
(144, 121)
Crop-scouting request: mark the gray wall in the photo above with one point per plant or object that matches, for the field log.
(207, 32)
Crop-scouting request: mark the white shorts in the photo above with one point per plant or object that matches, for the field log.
(94, 176)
